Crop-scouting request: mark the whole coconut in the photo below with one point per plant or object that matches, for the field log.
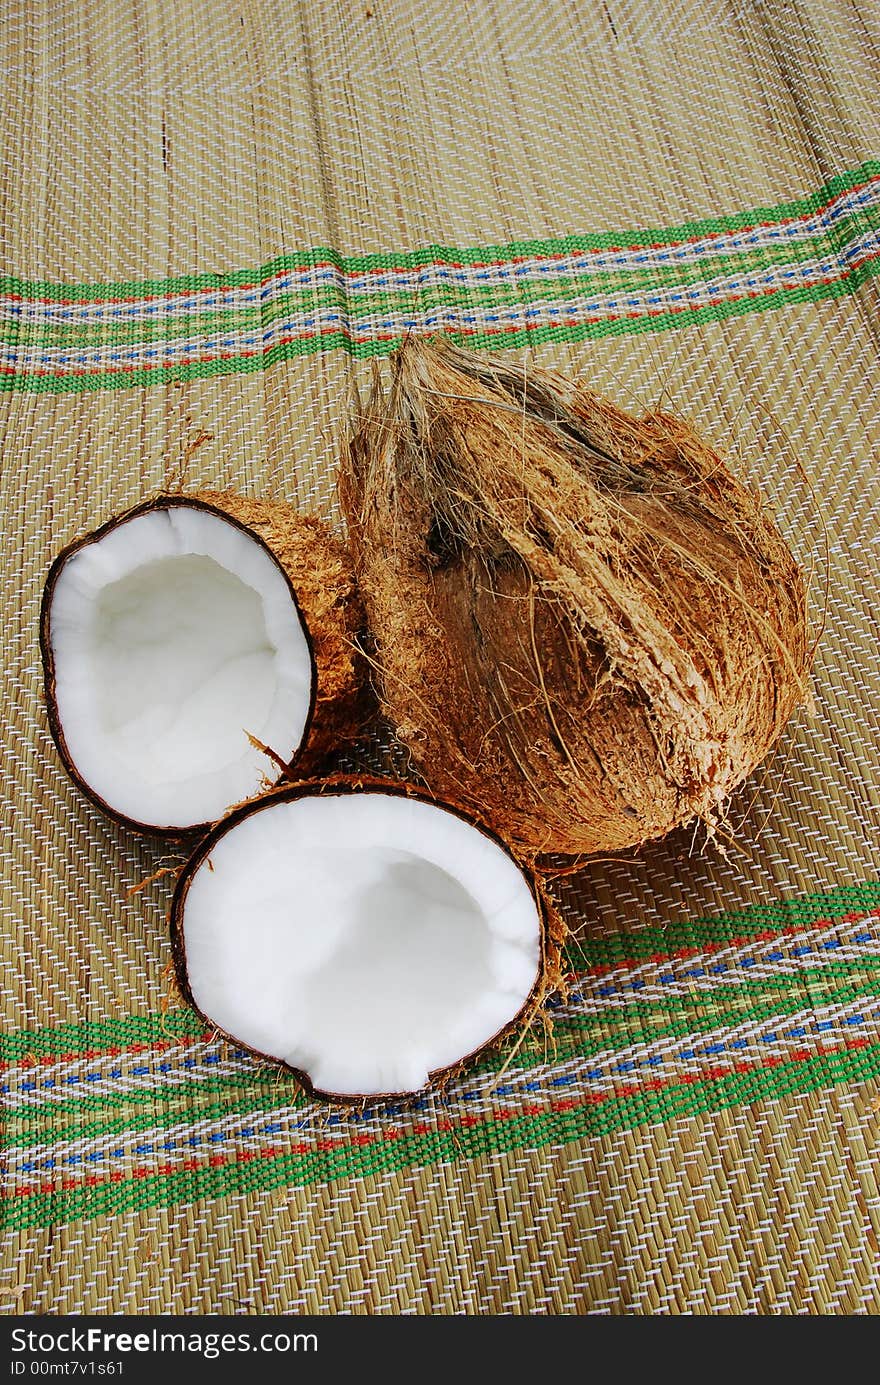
(586, 629)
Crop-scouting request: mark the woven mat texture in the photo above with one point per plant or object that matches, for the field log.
(213, 213)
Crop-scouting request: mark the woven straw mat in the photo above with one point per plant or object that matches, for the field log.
(214, 212)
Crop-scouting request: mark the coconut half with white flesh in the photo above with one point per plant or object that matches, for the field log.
(369, 939)
(180, 672)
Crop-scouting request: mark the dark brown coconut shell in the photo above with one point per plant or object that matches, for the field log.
(320, 576)
(584, 624)
(550, 976)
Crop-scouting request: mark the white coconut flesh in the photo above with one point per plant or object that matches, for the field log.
(174, 637)
(365, 939)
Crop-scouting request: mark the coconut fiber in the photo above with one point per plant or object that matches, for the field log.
(584, 626)
(215, 220)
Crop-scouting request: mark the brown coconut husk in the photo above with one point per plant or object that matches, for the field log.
(321, 572)
(585, 626)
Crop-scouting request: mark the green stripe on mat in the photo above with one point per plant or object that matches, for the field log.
(588, 330)
(256, 1090)
(546, 1122)
(800, 911)
(444, 254)
(522, 290)
(833, 253)
(638, 945)
(678, 1016)
(505, 1133)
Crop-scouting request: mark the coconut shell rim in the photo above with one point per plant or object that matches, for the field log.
(340, 786)
(160, 502)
